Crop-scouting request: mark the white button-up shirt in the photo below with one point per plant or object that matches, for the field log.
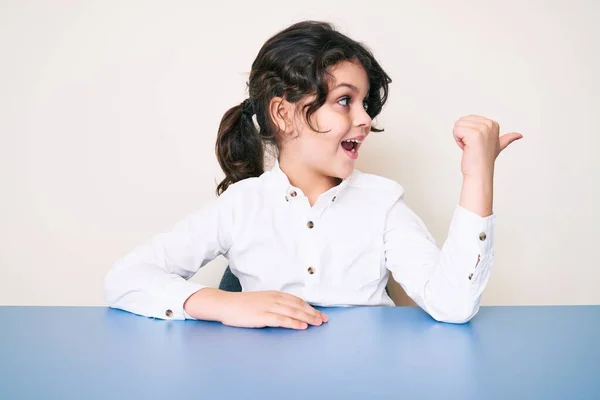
(336, 253)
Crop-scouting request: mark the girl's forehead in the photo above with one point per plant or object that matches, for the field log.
(349, 74)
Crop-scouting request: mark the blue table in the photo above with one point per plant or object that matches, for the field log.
(362, 353)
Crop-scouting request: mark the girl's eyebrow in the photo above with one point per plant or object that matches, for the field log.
(349, 86)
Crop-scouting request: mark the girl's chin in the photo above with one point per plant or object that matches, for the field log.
(344, 171)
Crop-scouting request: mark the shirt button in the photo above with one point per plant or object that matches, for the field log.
(169, 313)
(482, 236)
(311, 270)
(470, 276)
(310, 224)
(293, 193)
(334, 197)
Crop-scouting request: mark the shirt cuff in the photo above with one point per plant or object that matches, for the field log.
(470, 248)
(471, 232)
(177, 291)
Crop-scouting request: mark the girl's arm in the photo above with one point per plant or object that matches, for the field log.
(152, 280)
(448, 282)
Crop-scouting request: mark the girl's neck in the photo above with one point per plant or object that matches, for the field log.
(312, 183)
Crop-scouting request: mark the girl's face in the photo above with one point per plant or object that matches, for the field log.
(342, 122)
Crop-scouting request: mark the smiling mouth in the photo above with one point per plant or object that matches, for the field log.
(351, 145)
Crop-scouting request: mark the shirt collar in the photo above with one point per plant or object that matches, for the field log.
(284, 188)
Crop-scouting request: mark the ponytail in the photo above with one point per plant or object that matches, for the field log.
(239, 147)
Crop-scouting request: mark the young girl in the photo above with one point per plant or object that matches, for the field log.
(313, 231)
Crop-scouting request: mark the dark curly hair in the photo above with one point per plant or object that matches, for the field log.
(292, 64)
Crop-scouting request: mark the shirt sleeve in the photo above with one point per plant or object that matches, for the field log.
(153, 280)
(447, 283)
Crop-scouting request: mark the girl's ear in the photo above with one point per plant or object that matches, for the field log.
(281, 112)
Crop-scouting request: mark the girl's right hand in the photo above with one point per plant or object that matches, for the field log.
(253, 309)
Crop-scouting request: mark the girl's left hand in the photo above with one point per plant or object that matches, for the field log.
(480, 140)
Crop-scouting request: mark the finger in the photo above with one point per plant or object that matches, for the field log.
(485, 124)
(479, 118)
(302, 305)
(462, 132)
(508, 138)
(289, 299)
(477, 125)
(460, 143)
(281, 321)
(295, 313)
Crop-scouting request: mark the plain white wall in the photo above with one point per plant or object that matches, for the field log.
(109, 111)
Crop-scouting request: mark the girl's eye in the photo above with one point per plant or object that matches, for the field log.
(344, 101)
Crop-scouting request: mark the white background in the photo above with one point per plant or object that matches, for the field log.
(109, 112)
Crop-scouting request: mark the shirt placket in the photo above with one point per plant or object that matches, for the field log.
(308, 219)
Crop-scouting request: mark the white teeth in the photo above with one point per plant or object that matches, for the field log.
(353, 150)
